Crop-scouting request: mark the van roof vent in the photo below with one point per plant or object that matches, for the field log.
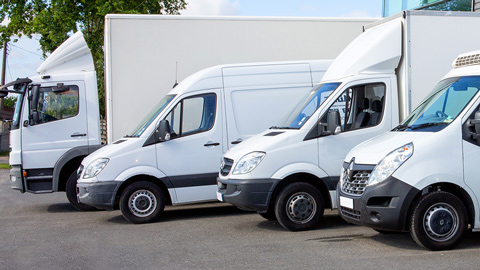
(467, 60)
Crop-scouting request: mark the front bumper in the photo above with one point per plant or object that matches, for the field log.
(383, 206)
(251, 194)
(16, 178)
(99, 194)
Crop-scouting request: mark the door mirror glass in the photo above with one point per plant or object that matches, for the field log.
(477, 123)
(333, 123)
(33, 102)
(164, 131)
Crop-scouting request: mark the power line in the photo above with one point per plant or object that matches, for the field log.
(25, 50)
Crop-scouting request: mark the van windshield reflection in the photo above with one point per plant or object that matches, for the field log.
(151, 116)
(307, 106)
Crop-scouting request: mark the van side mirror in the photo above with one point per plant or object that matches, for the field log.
(476, 124)
(333, 123)
(33, 97)
(163, 131)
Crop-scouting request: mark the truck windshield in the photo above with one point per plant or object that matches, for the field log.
(442, 105)
(307, 106)
(151, 116)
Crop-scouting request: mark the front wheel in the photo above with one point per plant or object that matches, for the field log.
(71, 190)
(142, 202)
(438, 221)
(299, 207)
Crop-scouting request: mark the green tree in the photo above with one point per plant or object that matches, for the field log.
(55, 20)
(10, 101)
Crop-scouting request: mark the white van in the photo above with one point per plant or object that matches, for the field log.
(422, 176)
(172, 157)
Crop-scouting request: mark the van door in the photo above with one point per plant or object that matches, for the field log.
(258, 97)
(471, 158)
(59, 124)
(192, 157)
(363, 115)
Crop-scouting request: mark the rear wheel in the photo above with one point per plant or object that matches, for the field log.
(71, 190)
(142, 202)
(438, 221)
(299, 207)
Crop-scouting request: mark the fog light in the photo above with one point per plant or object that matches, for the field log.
(13, 178)
(375, 216)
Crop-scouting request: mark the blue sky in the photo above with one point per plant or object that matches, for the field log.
(25, 56)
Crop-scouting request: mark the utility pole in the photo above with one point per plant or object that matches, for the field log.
(4, 70)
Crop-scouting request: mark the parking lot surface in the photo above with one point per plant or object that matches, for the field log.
(45, 232)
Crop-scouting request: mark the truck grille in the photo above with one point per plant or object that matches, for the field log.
(357, 183)
(226, 166)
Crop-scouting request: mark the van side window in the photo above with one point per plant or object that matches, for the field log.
(192, 115)
(360, 106)
(54, 106)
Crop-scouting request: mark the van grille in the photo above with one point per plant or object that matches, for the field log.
(357, 183)
(468, 60)
(226, 166)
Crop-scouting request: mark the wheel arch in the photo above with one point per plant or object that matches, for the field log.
(321, 184)
(162, 183)
(454, 189)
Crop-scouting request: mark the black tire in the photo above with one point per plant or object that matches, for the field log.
(71, 190)
(269, 215)
(439, 221)
(299, 207)
(142, 202)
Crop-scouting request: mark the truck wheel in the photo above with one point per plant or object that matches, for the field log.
(299, 207)
(71, 190)
(438, 221)
(269, 215)
(142, 202)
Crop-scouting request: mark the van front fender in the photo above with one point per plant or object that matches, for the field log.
(295, 168)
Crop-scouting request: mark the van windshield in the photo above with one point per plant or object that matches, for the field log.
(307, 106)
(442, 105)
(151, 116)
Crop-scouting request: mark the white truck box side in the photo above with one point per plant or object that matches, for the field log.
(141, 52)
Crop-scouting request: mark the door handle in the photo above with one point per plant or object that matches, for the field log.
(78, 135)
(239, 140)
(211, 144)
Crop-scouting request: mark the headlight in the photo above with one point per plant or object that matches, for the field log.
(248, 162)
(95, 167)
(390, 163)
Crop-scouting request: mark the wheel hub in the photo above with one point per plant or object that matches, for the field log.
(301, 207)
(441, 222)
(142, 203)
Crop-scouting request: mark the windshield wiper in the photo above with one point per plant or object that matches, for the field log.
(400, 128)
(275, 127)
(425, 125)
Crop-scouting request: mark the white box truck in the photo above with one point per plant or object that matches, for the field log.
(172, 157)
(290, 172)
(55, 126)
(422, 176)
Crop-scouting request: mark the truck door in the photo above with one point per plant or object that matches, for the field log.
(363, 114)
(51, 127)
(192, 157)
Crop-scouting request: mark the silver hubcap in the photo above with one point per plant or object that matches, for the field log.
(441, 222)
(142, 203)
(301, 207)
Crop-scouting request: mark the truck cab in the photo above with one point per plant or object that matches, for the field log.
(56, 121)
(422, 176)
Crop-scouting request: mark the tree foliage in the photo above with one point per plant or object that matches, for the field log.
(55, 20)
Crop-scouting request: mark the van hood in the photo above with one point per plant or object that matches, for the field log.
(371, 152)
(265, 142)
(118, 147)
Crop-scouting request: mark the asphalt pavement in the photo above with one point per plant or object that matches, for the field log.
(46, 232)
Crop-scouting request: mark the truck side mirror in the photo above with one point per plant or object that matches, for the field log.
(33, 104)
(3, 94)
(163, 131)
(333, 123)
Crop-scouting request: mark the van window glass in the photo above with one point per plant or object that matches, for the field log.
(360, 106)
(442, 105)
(307, 107)
(192, 115)
(54, 106)
(151, 116)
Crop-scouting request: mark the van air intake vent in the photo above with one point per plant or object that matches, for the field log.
(467, 60)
